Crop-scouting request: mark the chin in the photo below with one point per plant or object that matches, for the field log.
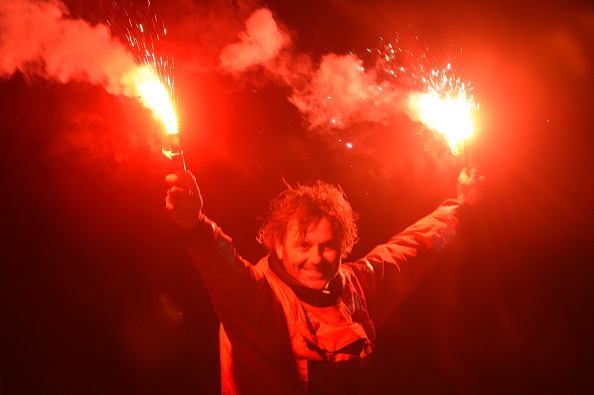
(317, 285)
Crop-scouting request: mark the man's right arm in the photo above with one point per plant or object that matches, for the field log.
(232, 282)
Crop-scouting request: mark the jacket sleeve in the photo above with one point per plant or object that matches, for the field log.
(241, 295)
(392, 269)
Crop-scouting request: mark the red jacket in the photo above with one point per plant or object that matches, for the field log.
(279, 338)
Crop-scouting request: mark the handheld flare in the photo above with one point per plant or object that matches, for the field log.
(154, 95)
(176, 154)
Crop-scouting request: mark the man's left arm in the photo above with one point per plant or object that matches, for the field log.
(392, 269)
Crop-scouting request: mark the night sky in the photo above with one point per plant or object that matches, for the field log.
(97, 292)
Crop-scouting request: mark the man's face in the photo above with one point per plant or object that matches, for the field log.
(312, 259)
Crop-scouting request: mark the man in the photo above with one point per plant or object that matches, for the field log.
(301, 321)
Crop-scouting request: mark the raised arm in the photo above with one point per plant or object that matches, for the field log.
(239, 292)
(400, 263)
(228, 277)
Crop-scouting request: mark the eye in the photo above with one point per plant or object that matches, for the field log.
(331, 246)
(304, 245)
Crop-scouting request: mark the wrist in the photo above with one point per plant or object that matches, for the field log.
(202, 234)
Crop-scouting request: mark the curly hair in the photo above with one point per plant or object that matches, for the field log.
(307, 205)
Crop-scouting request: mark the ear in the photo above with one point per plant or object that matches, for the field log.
(279, 250)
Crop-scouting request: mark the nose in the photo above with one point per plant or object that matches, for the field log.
(315, 255)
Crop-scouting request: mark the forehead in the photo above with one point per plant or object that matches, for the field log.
(317, 227)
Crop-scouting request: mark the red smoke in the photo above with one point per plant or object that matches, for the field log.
(261, 42)
(332, 93)
(335, 93)
(341, 92)
(40, 38)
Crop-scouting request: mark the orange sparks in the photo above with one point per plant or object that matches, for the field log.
(151, 81)
(444, 104)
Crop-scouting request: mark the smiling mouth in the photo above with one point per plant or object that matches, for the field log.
(314, 272)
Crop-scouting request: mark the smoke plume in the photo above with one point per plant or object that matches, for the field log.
(341, 92)
(331, 93)
(335, 93)
(261, 42)
(39, 37)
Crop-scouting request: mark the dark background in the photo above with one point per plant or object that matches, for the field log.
(98, 295)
